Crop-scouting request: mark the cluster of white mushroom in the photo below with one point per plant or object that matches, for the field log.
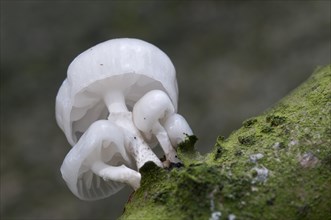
(118, 101)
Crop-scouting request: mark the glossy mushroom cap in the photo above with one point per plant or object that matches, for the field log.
(131, 66)
(177, 129)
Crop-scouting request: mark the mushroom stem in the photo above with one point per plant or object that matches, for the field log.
(148, 114)
(115, 102)
(121, 173)
(135, 144)
(142, 152)
(162, 137)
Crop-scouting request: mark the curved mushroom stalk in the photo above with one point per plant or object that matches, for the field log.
(98, 165)
(134, 142)
(177, 129)
(121, 174)
(149, 115)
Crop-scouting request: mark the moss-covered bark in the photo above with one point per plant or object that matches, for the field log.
(277, 166)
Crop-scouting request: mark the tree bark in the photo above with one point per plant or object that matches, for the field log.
(276, 166)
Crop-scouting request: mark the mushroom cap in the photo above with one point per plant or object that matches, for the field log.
(130, 65)
(103, 141)
(177, 129)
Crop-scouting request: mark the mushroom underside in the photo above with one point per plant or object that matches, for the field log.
(92, 186)
(88, 105)
(102, 143)
(86, 184)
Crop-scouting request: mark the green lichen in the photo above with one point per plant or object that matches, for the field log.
(291, 181)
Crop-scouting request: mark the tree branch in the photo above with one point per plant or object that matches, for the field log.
(276, 166)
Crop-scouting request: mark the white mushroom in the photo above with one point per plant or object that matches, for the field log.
(93, 108)
(98, 165)
(155, 110)
(107, 80)
(177, 129)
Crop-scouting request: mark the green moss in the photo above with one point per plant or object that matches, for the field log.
(186, 150)
(326, 161)
(218, 152)
(275, 120)
(291, 181)
(295, 126)
(169, 193)
(249, 122)
(195, 188)
(247, 140)
(266, 129)
(188, 145)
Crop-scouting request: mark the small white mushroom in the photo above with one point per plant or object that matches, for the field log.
(177, 129)
(149, 115)
(98, 165)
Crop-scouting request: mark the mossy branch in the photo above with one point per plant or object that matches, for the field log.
(277, 166)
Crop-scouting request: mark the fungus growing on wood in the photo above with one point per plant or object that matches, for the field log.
(105, 83)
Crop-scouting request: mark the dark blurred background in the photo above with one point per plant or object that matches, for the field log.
(234, 59)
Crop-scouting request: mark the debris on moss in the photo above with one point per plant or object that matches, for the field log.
(292, 180)
(255, 157)
(308, 160)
